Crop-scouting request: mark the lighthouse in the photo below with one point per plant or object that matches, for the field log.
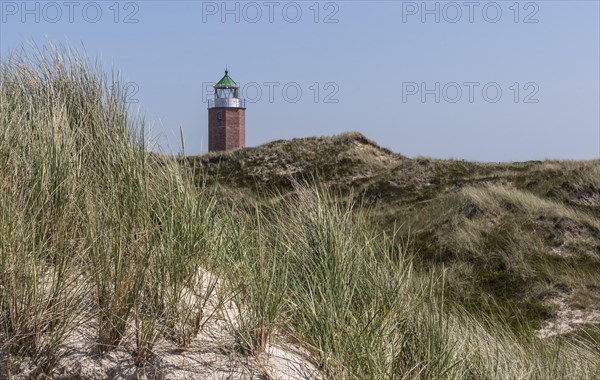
(226, 117)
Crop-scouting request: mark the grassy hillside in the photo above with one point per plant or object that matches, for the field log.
(515, 240)
(354, 262)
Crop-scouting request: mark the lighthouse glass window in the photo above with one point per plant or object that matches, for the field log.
(226, 93)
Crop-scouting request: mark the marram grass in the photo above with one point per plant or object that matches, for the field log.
(94, 228)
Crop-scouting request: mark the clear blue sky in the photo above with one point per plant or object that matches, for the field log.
(374, 58)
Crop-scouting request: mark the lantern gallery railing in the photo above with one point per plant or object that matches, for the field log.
(227, 103)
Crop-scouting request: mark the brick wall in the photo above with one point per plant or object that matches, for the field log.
(226, 128)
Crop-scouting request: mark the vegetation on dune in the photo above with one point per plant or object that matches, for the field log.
(512, 238)
(94, 227)
(379, 270)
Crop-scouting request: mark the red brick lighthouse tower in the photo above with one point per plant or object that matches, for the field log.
(226, 117)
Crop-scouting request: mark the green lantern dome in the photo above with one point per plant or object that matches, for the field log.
(227, 82)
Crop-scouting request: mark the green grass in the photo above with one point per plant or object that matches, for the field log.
(380, 266)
